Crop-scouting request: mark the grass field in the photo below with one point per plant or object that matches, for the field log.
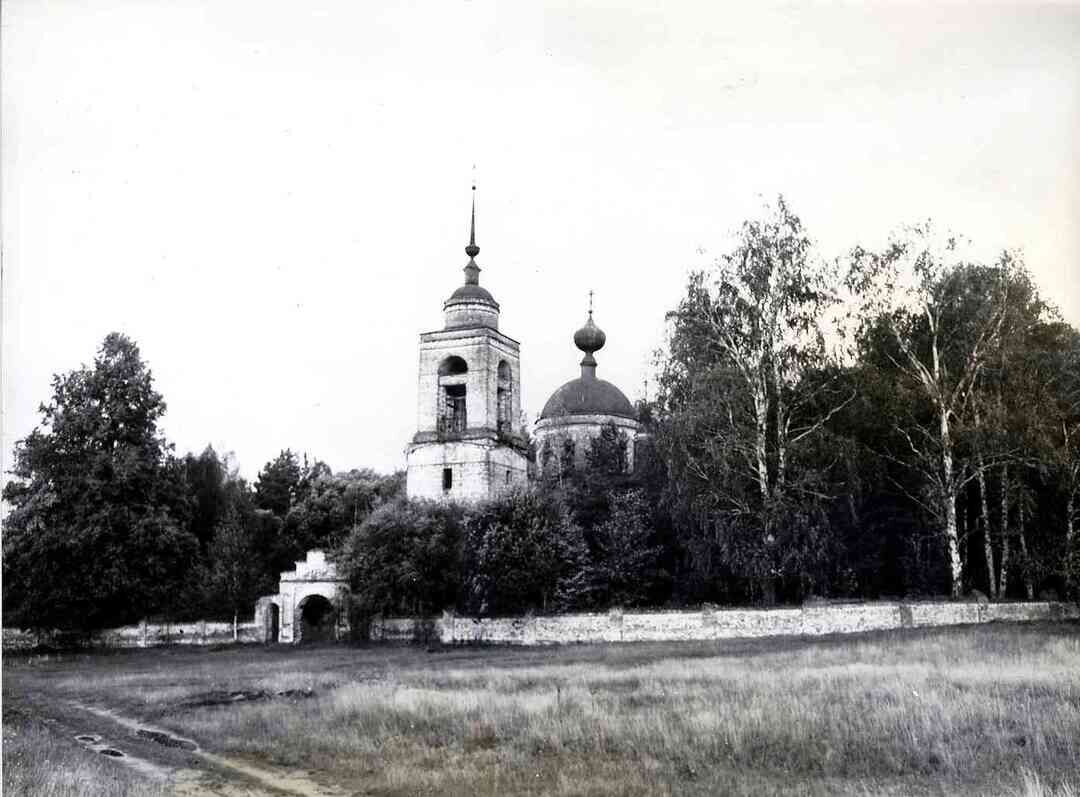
(978, 710)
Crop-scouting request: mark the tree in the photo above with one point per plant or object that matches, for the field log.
(335, 503)
(233, 573)
(1044, 415)
(98, 533)
(942, 314)
(277, 487)
(206, 477)
(745, 388)
(406, 557)
(587, 490)
(627, 561)
(524, 552)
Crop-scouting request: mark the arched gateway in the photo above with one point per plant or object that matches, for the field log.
(312, 604)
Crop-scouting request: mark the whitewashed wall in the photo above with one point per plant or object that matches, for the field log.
(614, 626)
(618, 626)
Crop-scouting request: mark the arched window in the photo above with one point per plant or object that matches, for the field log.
(453, 372)
(504, 399)
(453, 366)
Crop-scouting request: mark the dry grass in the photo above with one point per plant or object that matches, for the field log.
(976, 710)
(1033, 786)
(40, 763)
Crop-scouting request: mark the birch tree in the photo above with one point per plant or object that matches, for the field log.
(944, 314)
(736, 395)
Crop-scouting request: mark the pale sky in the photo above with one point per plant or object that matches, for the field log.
(271, 198)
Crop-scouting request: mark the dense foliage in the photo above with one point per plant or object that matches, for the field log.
(930, 448)
(106, 526)
(904, 422)
(98, 531)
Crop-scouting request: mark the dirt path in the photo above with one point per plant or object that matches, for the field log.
(158, 754)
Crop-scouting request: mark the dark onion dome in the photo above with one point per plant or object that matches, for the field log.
(588, 396)
(590, 338)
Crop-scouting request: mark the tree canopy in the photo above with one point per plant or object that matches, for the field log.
(97, 534)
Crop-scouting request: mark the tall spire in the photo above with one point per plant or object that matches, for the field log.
(472, 250)
(472, 271)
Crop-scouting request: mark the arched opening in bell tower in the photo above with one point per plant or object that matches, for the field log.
(453, 372)
(504, 399)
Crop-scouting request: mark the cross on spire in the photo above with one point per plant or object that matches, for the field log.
(590, 303)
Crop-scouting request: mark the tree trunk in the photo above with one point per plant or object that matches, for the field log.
(781, 427)
(984, 506)
(948, 497)
(1003, 582)
(1070, 507)
(235, 626)
(1029, 585)
(961, 526)
(1070, 567)
(761, 427)
(954, 550)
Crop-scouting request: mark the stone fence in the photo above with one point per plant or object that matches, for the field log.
(710, 624)
(613, 626)
(144, 635)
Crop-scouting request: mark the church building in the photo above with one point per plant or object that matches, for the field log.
(468, 446)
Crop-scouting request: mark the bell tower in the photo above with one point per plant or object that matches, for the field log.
(467, 446)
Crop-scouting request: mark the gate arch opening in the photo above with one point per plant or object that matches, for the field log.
(274, 623)
(317, 620)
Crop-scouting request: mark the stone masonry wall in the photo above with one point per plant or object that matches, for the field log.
(614, 626)
(551, 432)
(479, 469)
(618, 626)
(146, 635)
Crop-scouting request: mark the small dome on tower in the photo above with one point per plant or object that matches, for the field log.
(590, 338)
(470, 305)
(472, 293)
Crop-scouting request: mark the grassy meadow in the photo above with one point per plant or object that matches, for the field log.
(976, 710)
(37, 761)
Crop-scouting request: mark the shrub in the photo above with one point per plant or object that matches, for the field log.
(524, 552)
(406, 558)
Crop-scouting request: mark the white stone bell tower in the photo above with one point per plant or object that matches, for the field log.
(467, 446)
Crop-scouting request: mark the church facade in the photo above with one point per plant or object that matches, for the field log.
(468, 446)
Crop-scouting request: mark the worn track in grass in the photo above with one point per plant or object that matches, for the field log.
(155, 753)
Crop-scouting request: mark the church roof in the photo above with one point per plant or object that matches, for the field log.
(588, 396)
(472, 293)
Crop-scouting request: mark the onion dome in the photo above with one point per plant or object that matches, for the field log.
(588, 395)
(470, 305)
(590, 338)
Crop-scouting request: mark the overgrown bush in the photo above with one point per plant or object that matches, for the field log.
(406, 558)
(524, 552)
